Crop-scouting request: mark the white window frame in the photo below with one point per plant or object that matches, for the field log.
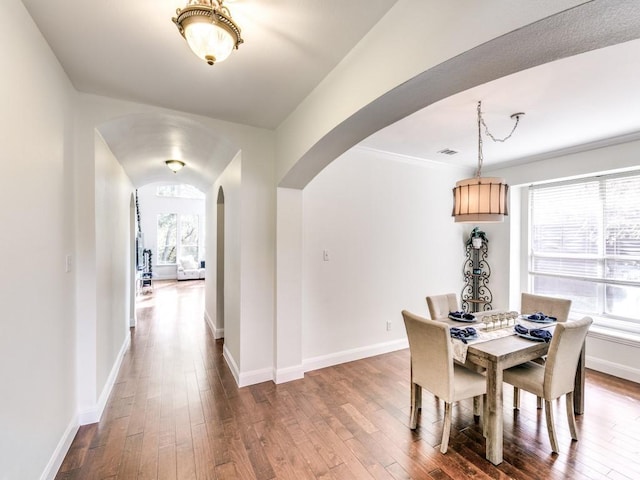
(180, 190)
(178, 217)
(619, 325)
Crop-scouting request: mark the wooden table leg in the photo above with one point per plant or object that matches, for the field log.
(494, 414)
(578, 388)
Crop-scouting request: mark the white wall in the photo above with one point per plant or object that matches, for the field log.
(385, 222)
(113, 192)
(37, 345)
(258, 244)
(288, 329)
(151, 206)
(231, 183)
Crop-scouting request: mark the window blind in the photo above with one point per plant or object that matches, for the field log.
(584, 239)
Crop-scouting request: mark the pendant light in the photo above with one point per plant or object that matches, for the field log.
(482, 199)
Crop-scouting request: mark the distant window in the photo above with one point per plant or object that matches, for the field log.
(585, 245)
(167, 238)
(177, 237)
(179, 191)
(189, 236)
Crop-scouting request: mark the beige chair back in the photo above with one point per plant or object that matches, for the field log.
(441, 305)
(431, 355)
(551, 306)
(562, 359)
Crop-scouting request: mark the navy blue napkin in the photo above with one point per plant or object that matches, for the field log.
(541, 316)
(466, 316)
(463, 333)
(540, 333)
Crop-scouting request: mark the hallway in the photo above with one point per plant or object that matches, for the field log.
(176, 413)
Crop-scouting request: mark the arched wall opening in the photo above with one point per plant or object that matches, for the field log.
(219, 267)
(541, 42)
(564, 34)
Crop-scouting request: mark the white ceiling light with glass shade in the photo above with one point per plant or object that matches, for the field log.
(482, 199)
(209, 29)
(174, 165)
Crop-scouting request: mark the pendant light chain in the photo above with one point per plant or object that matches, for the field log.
(480, 156)
(481, 123)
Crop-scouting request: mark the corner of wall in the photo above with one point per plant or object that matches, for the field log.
(55, 462)
(288, 374)
(93, 414)
(216, 332)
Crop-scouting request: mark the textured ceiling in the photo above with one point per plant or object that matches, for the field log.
(290, 46)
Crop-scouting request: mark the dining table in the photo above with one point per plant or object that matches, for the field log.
(497, 354)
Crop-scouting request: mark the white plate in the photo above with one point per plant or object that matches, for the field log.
(457, 319)
(526, 317)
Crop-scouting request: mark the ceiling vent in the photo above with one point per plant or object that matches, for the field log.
(448, 151)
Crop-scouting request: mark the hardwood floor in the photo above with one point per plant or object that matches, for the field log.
(176, 413)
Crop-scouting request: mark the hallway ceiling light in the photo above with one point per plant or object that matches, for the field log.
(208, 28)
(478, 199)
(174, 165)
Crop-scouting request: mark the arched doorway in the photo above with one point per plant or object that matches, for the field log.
(220, 262)
(134, 239)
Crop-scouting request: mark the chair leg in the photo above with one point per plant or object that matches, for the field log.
(446, 431)
(539, 402)
(413, 413)
(551, 427)
(571, 416)
(476, 407)
(516, 398)
(485, 415)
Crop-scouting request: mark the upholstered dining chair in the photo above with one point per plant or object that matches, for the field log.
(440, 305)
(556, 377)
(550, 306)
(432, 368)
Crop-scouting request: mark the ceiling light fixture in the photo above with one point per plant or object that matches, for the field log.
(174, 165)
(208, 28)
(482, 199)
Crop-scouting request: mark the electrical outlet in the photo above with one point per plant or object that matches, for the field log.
(388, 326)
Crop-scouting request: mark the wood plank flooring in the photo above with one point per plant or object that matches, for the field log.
(176, 413)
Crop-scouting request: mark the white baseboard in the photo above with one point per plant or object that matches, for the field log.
(297, 372)
(231, 363)
(345, 356)
(216, 332)
(255, 376)
(93, 415)
(284, 375)
(164, 277)
(51, 470)
(245, 379)
(611, 368)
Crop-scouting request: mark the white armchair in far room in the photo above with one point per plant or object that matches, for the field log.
(189, 269)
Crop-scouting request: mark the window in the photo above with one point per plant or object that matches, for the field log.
(179, 191)
(177, 237)
(167, 238)
(189, 236)
(584, 241)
